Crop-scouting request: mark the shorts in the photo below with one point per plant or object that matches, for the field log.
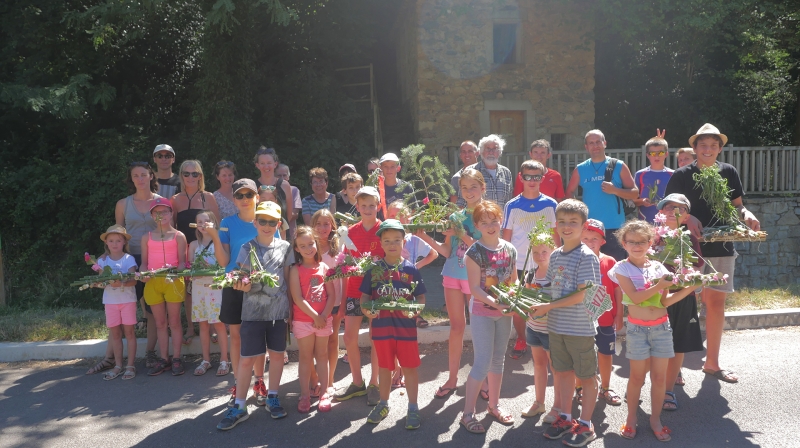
(646, 342)
(576, 353)
(259, 335)
(305, 329)
(685, 324)
(352, 307)
(612, 247)
(405, 352)
(158, 290)
(455, 283)
(230, 311)
(335, 311)
(606, 340)
(723, 265)
(206, 302)
(537, 338)
(120, 314)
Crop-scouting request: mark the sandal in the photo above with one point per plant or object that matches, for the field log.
(316, 390)
(552, 416)
(628, 432)
(345, 359)
(722, 375)
(214, 338)
(484, 394)
(304, 405)
(579, 393)
(670, 404)
(536, 409)
(113, 374)
(101, 366)
(324, 404)
(130, 373)
(610, 397)
(397, 380)
(471, 424)
(502, 416)
(187, 340)
(421, 322)
(680, 381)
(663, 435)
(224, 368)
(202, 368)
(444, 392)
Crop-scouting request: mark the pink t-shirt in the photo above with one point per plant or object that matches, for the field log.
(312, 286)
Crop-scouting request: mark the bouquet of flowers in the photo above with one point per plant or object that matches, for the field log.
(674, 248)
(103, 278)
(256, 274)
(391, 298)
(730, 227)
(347, 265)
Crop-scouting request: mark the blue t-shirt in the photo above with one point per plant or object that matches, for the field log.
(455, 266)
(602, 206)
(238, 233)
(521, 216)
(647, 180)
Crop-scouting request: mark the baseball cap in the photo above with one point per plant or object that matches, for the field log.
(347, 166)
(116, 228)
(368, 191)
(269, 209)
(163, 147)
(390, 224)
(159, 202)
(596, 226)
(244, 183)
(675, 197)
(389, 157)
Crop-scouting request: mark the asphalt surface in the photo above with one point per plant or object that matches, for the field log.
(54, 404)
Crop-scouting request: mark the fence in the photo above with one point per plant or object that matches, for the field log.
(763, 170)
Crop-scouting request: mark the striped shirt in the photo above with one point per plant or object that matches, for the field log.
(521, 216)
(365, 241)
(394, 325)
(499, 185)
(310, 205)
(568, 270)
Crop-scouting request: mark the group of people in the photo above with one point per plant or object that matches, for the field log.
(247, 220)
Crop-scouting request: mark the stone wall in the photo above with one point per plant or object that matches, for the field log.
(775, 262)
(456, 73)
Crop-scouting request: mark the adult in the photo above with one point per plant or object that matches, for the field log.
(227, 244)
(297, 202)
(347, 168)
(707, 144)
(372, 165)
(192, 199)
(552, 184)
(499, 181)
(468, 154)
(604, 199)
(320, 198)
(225, 172)
(168, 182)
(266, 160)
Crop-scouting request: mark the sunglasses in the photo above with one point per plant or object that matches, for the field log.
(679, 208)
(267, 222)
(533, 177)
(250, 195)
(194, 174)
(224, 163)
(164, 156)
(269, 188)
(656, 153)
(638, 243)
(265, 151)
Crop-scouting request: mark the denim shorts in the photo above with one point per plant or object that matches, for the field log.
(645, 342)
(537, 338)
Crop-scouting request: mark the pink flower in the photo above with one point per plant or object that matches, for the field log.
(660, 218)
(86, 257)
(246, 280)
(96, 268)
(339, 258)
(376, 259)
(425, 201)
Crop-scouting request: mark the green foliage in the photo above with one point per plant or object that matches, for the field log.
(430, 181)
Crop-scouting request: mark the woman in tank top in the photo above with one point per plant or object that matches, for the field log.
(225, 172)
(266, 160)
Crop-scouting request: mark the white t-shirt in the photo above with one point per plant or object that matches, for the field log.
(123, 294)
(415, 248)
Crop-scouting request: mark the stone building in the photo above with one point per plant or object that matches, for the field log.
(521, 68)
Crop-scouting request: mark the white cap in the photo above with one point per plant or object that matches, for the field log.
(389, 157)
(163, 147)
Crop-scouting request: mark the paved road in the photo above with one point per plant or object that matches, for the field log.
(55, 405)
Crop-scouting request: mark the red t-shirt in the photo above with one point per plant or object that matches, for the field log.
(606, 263)
(312, 286)
(365, 241)
(551, 185)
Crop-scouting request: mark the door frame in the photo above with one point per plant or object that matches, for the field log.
(501, 105)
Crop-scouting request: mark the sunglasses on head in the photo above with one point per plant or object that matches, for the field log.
(164, 156)
(249, 195)
(224, 163)
(656, 153)
(194, 174)
(533, 177)
(266, 151)
(267, 222)
(268, 188)
(139, 164)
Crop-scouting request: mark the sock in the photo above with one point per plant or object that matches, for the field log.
(566, 417)
(384, 403)
(240, 403)
(413, 407)
(272, 392)
(588, 424)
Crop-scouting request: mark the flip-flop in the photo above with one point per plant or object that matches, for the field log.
(672, 400)
(722, 375)
(663, 435)
(444, 392)
(628, 432)
(187, 340)
(421, 322)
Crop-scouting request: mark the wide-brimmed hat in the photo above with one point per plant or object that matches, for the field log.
(116, 228)
(708, 129)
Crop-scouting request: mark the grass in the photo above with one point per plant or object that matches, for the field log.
(747, 299)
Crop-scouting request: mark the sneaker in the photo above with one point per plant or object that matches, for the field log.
(177, 367)
(560, 427)
(233, 417)
(351, 391)
(260, 391)
(276, 411)
(161, 366)
(579, 436)
(378, 413)
(150, 359)
(519, 349)
(324, 404)
(412, 420)
(232, 400)
(373, 395)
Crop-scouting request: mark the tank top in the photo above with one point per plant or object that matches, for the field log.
(137, 224)
(312, 286)
(602, 206)
(209, 256)
(161, 253)
(188, 216)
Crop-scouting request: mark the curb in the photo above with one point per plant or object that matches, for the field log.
(65, 350)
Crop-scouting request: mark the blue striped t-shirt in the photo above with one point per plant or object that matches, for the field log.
(568, 270)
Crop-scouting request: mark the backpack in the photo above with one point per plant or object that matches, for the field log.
(625, 206)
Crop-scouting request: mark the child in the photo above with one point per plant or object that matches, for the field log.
(456, 288)
(264, 314)
(685, 157)
(648, 334)
(490, 261)
(395, 188)
(594, 236)
(312, 323)
(570, 328)
(206, 301)
(165, 247)
(324, 224)
(351, 183)
(683, 318)
(267, 193)
(521, 214)
(652, 180)
(538, 339)
(119, 299)
(364, 236)
(394, 334)
(320, 198)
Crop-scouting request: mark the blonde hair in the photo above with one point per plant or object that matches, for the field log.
(211, 216)
(402, 208)
(656, 141)
(472, 173)
(333, 238)
(636, 226)
(125, 247)
(305, 231)
(201, 182)
(689, 151)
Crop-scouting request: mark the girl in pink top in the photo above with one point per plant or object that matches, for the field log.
(311, 316)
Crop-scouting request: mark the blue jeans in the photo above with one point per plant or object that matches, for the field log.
(645, 342)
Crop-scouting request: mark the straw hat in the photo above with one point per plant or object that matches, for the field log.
(116, 229)
(708, 129)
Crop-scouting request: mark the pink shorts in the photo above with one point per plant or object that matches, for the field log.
(120, 314)
(454, 283)
(304, 329)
